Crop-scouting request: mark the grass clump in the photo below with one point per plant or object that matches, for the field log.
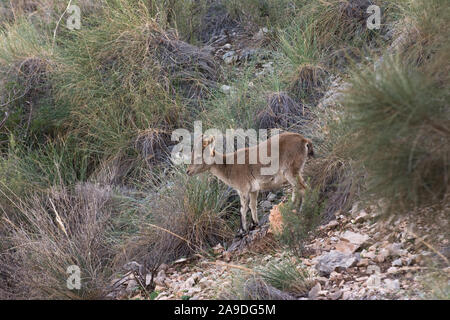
(288, 277)
(51, 231)
(281, 112)
(26, 66)
(184, 216)
(399, 125)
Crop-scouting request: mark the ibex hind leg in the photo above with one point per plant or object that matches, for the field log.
(298, 188)
(293, 181)
(302, 188)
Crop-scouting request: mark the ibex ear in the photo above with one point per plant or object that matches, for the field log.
(207, 142)
(212, 151)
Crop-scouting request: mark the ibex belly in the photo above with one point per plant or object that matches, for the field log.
(265, 183)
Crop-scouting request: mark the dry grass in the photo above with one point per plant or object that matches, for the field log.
(185, 216)
(281, 112)
(307, 80)
(49, 233)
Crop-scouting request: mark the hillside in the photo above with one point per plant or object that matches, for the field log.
(87, 114)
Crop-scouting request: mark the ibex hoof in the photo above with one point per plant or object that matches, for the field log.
(253, 226)
(241, 233)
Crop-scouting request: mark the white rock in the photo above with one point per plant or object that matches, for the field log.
(395, 249)
(314, 292)
(131, 286)
(397, 263)
(392, 285)
(330, 261)
(271, 197)
(374, 281)
(229, 57)
(355, 238)
(225, 89)
(392, 270)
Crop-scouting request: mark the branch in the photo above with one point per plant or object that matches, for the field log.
(4, 120)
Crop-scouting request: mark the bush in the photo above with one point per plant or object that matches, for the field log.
(183, 216)
(26, 66)
(264, 12)
(46, 234)
(399, 119)
(299, 225)
(281, 112)
(288, 277)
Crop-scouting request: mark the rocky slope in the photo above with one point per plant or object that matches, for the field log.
(355, 256)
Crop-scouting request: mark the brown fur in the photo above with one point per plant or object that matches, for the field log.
(294, 150)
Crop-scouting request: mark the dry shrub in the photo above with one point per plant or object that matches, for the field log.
(44, 10)
(287, 276)
(281, 112)
(355, 9)
(339, 182)
(25, 85)
(153, 145)
(180, 67)
(215, 22)
(51, 232)
(275, 219)
(307, 81)
(256, 288)
(33, 76)
(191, 69)
(185, 216)
(351, 17)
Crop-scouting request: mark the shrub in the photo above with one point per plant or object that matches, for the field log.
(287, 276)
(398, 119)
(51, 231)
(264, 12)
(299, 225)
(26, 66)
(252, 287)
(281, 112)
(184, 216)
(307, 81)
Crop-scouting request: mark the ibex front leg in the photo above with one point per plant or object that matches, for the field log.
(253, 208)
(244, 209)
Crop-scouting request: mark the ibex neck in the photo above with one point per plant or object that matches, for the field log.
(221, 171)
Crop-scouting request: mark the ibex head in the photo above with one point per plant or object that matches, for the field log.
(198, 164)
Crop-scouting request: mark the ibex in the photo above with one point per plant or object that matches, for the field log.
(247, 179)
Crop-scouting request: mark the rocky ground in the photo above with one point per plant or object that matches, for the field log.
(355, 256)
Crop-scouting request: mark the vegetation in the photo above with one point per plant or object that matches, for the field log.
(86, 118)
(299, 225)
(288, 277)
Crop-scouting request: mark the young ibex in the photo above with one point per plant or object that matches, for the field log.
(247, 179)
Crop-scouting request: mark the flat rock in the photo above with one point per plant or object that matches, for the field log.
(346, 247)
(355, 238)
(333, 260)
(314, 292)
(392, 285)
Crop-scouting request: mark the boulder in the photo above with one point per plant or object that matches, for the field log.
(333, 260)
